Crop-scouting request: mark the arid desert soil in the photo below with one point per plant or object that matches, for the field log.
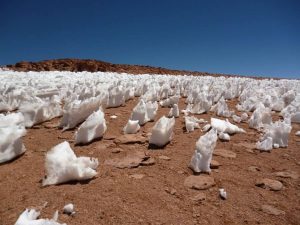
(155, 194)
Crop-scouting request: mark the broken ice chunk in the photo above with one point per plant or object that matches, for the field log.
(162, 132)
(174, 111)
(265, 145)
(11, 119)
(276, 145)
(170, 101)
(225, 126)
(236, 118)
(140, 113)
(221, 108)
(151, 110)
(40, 111)
(295, 117)
(206, 127)
(11, 144)
(191, 123)
(244, 117)
(77, 111)
(279, 132)
(30, 217)
(203, 153)
(223, 193)
(131, 127)
(94, 127)
(69, 209)
(260, 117)
(224, 136)
(62, 165)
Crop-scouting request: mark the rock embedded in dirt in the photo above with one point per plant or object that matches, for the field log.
(224, 153)
(117, 150)
(180, 172)
(163, 157)
(137, 176)
(253, 169)
(272, 210)
(130, 161)
(147, 135)
(51, 125)
(171, 191)
(105, 145)
(199, 182)
(109, 137)
(287, 174)
(214, 164)
(199, 197)
(243, 145)
(273, 185)
(130, 139)
(248, 147)
(149, 162)
(286, 156)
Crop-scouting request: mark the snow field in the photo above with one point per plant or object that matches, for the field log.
(80, 99)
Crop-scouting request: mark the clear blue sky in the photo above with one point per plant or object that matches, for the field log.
(253, 37)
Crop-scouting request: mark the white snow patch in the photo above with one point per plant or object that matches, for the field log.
(69, 209)
(174, 111)
(225, 126)
(94, 127)
(224, 136)
(11, 144)
(30, 217)
(62, 165)
(131, 127)
(203, 153)
(162, 132)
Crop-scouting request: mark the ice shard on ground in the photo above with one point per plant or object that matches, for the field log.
(30, 217)
(205, 146)
(225, 126)
(62, 165)
(162, 132)
(11, 144)
(131, 127)
(140, 113)
(94, 127)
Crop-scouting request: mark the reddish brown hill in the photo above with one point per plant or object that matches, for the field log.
(78, 65)
(95, 65)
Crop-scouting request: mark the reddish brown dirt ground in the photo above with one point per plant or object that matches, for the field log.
(115, 198)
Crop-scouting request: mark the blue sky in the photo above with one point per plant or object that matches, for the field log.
(234, 37)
